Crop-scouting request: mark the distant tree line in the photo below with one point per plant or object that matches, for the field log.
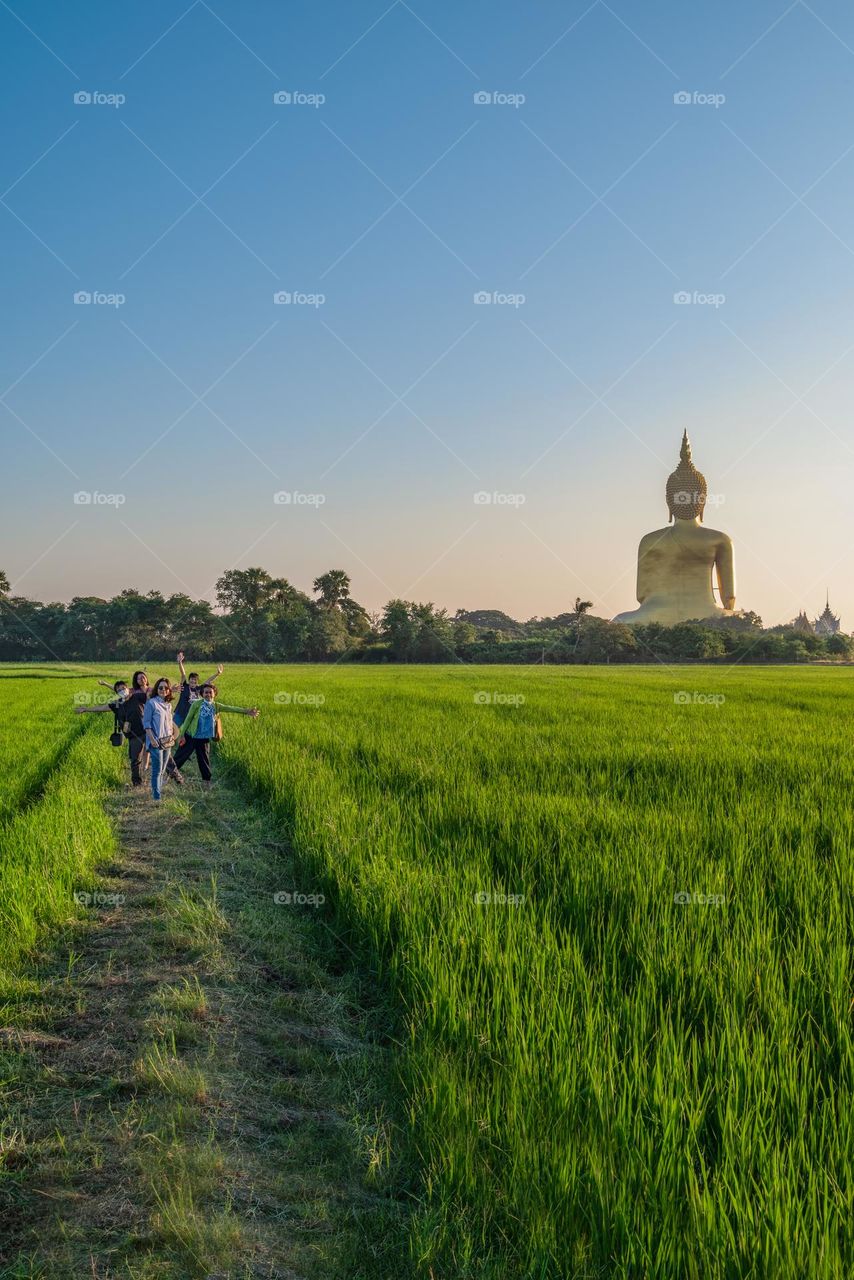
(259, 618)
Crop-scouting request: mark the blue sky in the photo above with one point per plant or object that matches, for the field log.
(398, 198)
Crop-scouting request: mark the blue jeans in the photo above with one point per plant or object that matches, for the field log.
(160, 758)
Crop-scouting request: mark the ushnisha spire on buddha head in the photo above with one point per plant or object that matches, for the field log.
(686, 487)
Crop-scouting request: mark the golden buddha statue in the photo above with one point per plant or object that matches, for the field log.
(675, 565)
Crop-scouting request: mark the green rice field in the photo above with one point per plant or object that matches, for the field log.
(611, 910)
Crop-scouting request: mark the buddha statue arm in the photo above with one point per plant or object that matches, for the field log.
(725, 573)
(641, 590)
(646, 583)
(640, 587)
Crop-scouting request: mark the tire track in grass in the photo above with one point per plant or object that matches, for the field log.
(194, 1082)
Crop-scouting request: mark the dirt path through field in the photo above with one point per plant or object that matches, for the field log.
(191, 1083)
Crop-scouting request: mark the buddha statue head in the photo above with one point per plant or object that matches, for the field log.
(686, 487)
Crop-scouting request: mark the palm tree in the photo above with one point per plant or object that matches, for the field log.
(581, 607)
(333, 587)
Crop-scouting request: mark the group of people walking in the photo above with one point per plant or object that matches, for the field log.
(145, 716)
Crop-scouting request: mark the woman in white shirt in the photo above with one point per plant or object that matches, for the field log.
(159, 733)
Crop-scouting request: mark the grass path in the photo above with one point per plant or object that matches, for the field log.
(192, 1078)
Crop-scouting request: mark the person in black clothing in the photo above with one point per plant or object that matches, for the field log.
(128, 712)
(134, 709)
(121, 690)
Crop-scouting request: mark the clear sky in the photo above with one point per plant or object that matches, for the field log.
(581, 211)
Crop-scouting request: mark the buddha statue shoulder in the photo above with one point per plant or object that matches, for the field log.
(679, 566)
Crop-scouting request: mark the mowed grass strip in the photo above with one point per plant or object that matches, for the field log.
(192, 1083)
(615, 906)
